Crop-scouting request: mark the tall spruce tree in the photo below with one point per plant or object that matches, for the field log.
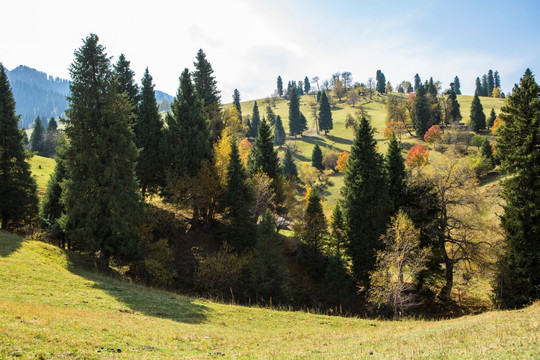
(239, 225)
(316, 158)
(236, 102)
(478, 118)
(457, 86)
(395, 168)
(271, 115)
(37, 139)
(100, 195)
(518, 146)
(455, 112)
(325, 114)
(497, 80)
(366, 202)
(255, 121)
(270, 278)
(296, 127)
(206, 85)
(478, 87)
(307, 85)
(279, 132)
(417, 82)
(289, 167)
(18, 197)
(188, 137)
(490, 83)
(484, 85)
(492, 117)
(263, 156)
(313, 232)
(125, 78)
(381, 82)
(421, 112)
(279, 86)
(149, 138)
(52, 136)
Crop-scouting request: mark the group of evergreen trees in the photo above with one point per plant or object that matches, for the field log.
(488, 83)
(44, 142)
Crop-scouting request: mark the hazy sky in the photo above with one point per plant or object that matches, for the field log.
(250, 43)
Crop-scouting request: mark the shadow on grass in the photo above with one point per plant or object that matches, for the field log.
(339, 140)
(9, 243)
(138, 298)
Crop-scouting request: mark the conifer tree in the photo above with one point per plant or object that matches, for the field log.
(313, 232)
(296, 125)
(478, 118)
(457, 86)
(52, 125)
(270, 278)
(206, 86)
(26, 142)
(490, 82)
(18, 197)
(263, 156)
(279, 132)
(484, 86)
(279, 86)
(518, 146)
(255, 121)
(455, 112)
(417, 82)
(478, 86)
(37, 139)
(149, 138)
(421, 112)
(381, 82)
(316, 158)
(100, 192)
(366, 201)
(125, 78)
(52, 136)
(487, 151)
(289, 167)
(431, 88)
(497, 80)
(239, 224)
(325, 114)
(236, 102)
(307, 85)
(271, 115)
(492, 117)
(395, 168)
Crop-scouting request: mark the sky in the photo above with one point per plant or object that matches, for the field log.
(250, 42)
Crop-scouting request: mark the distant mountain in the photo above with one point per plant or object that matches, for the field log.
(37, 94)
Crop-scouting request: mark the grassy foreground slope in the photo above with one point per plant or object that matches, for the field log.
(52, 305)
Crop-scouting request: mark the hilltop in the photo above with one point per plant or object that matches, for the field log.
(54, 305)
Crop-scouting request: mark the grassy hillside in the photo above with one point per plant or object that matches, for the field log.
(52, 305)
(41, 168)
(341, 138)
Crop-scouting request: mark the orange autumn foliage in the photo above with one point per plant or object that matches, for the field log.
(417, 156)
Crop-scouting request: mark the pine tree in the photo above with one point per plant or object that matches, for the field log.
(188, 135)
(325, 114)
(313, 232)
(296, 127)
(457, 86)
(417, 82)
(497, 80)
(316, 158)
(337, 285)
(18, 197)
(339, 236)
(279, 86)
(484, 86)
(478, 118)
(431, 88)
(455, 112)
(149, 138)
(271, 115)
(270, 278)
(381, 82)
(518, 146)
(125, 78)
(487, 151)
(478, 85)
(492, 117)
(279, 132)
(263, 156)
(255, 121)
(239, 224)
(421, 112)
(490, 82)
(395, 168)
(206, 86)
(289, 167)
(236, 102)
(37, 139)
(52, 125)
(366, 201)
(307, 85)
(100, 193)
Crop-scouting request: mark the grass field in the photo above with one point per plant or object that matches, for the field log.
(53, 306)
(41, 168)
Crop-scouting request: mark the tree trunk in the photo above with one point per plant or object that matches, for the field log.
(4, 223)
(103, 262)
(446, 291)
